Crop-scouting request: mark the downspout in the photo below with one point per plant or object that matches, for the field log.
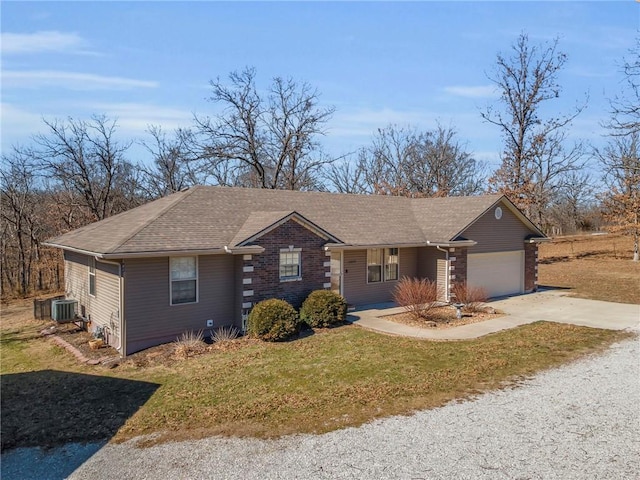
(120, 302)
(446, 282)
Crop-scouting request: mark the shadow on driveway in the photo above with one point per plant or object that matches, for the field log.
(50, 408)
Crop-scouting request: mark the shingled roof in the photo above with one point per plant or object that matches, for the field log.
(207, 218)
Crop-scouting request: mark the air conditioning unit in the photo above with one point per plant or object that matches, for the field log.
(63, 310)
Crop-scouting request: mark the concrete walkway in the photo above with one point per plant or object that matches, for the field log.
(549, 305)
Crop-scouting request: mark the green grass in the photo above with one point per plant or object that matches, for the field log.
(335, 378)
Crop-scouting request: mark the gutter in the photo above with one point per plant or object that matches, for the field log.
(159, 253)
(342, 246)
(538, 240)
(253, 249)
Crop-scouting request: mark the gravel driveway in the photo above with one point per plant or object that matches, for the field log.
(581, 421)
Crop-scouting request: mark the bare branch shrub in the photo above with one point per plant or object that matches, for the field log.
(224, 334)
(473, 298)
(416, 295)
(190, 343)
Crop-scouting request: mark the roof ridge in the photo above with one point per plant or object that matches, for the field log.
(151, 219)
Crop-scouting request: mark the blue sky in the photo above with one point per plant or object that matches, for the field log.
(378, 63)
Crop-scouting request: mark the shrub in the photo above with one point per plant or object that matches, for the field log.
(224, 334)
(473, 298)
(190, 343)
(416, 295)
(272, 320)
(323, 308)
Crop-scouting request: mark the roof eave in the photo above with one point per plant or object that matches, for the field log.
(157, 253)
(353, 246)
(248, 250)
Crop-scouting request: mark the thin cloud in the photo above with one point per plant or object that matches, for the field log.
(42, 42)
(475, 91)
(135, 118)
(365, 122)
(70, 80)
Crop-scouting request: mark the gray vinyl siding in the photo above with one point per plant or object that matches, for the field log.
(427, 262)
(103, 309)
(492, 235)
(356, 289)
(149, 317)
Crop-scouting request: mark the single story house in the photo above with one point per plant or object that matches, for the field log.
(202, 257)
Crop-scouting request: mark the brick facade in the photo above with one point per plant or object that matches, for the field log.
(458, 265)
(261, 273)
(530, 267)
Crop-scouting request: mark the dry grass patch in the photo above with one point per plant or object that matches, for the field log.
(596, 267)
(345, 377)
(331, 379)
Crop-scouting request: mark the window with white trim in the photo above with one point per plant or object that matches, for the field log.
(374, 265)
(183, 280)
(382, 264)
(92, 276)
(290, 264)
(390, 264)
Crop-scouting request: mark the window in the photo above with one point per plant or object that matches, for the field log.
(92, 276)
(382, 264)
(374, 265)
(390, 263)
(290, 264)
(184, 280)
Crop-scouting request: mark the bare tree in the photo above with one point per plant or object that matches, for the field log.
(625, 108)
(620, 160)
(572, 207)
(536, 161)
(264, 141)
(85, 158)
(349, 175)
(404, 162)
(175, 166)
(26, 220)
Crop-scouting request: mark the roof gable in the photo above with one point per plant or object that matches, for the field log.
(261, 223)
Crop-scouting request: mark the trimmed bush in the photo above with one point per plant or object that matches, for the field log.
(473, 298)
(272, 320)
(416, 295)
(323, 308)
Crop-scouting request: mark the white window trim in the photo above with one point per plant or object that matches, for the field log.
(366, 267)
(384, 264)
(299, 276)
(92, 261)
(384, 270)
(197, 279)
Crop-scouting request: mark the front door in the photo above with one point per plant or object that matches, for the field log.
(336, 272)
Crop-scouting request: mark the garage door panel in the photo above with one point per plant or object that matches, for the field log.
(500, 273)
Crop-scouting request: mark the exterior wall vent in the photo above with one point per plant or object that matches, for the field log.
(63, 310)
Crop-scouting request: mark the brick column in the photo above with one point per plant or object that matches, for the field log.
(457, 266)
(530, 267)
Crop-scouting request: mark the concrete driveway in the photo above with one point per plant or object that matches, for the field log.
(549, 305)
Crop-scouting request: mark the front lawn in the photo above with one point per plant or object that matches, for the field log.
(329, 380)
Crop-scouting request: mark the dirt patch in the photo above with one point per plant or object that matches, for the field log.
(444, 317)
(79, 338)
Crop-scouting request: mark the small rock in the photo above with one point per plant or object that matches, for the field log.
(49, 331)
(112, 362)
(430, 323)
(490, 310)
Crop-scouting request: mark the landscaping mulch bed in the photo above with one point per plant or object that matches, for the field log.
(79, 338)
(444, 317)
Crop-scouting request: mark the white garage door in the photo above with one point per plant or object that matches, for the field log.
(500, 273)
